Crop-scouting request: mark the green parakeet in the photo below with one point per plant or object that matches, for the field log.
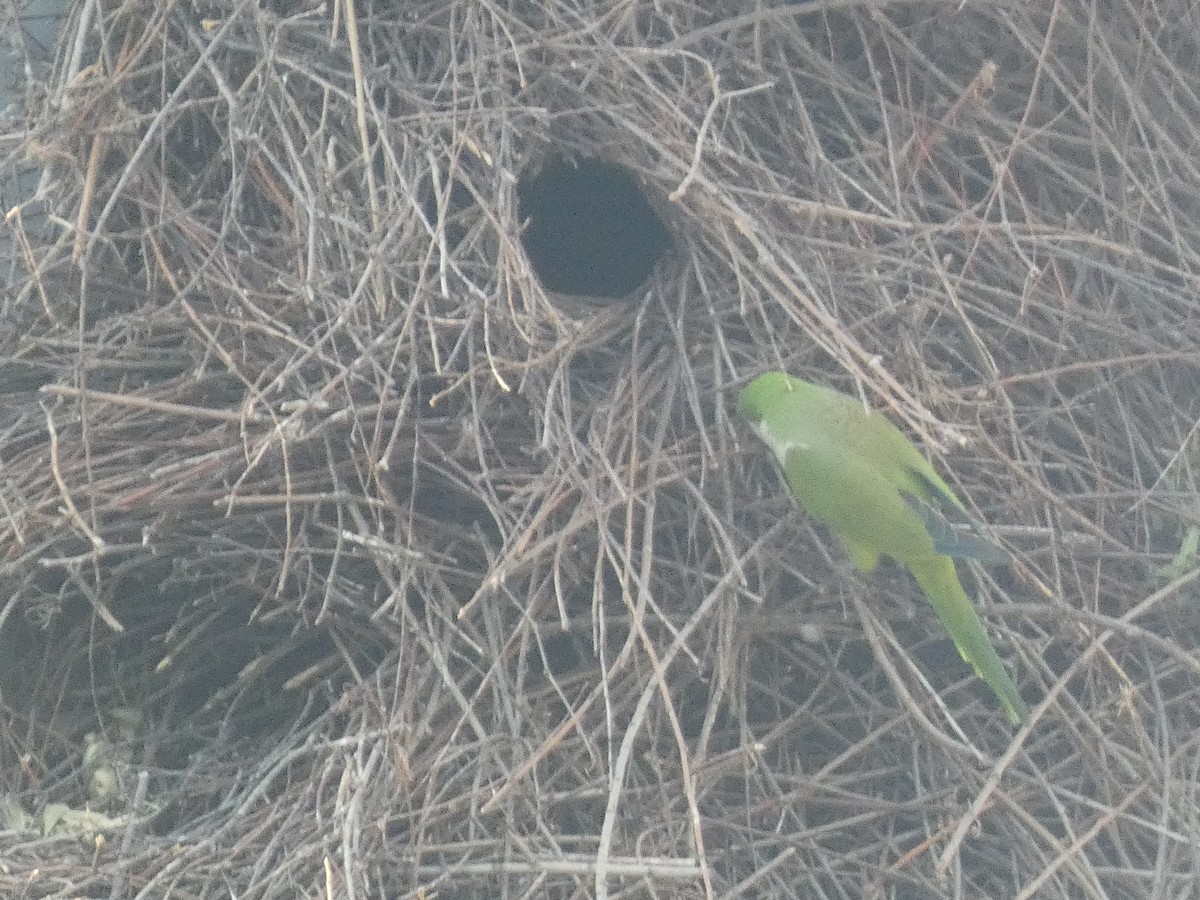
(857, 472)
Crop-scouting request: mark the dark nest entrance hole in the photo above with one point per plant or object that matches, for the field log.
(589, 228)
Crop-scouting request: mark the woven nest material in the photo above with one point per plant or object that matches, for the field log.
(341, 559)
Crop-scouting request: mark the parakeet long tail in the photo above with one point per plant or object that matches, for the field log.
(939, 580)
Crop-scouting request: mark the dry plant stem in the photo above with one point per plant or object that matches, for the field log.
(1096, 646)
(14, 219)
(64, 491)
(134, 824)
(637, 610)
(873, 630)
(1067, 856)
(149, 405)
(637, 716)
(360, 109)
(979, 86)
(147, 142)
(680, 870)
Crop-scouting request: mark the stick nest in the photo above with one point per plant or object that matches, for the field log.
(340, 559)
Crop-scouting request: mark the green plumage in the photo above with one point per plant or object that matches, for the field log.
(857, 472)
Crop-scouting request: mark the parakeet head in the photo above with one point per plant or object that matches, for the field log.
(762, 395)
(760, 405)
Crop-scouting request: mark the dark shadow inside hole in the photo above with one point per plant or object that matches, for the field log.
(588, 227)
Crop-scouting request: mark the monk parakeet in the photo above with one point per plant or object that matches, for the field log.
(857, 472)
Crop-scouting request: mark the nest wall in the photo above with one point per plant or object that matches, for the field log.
(421, 579)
